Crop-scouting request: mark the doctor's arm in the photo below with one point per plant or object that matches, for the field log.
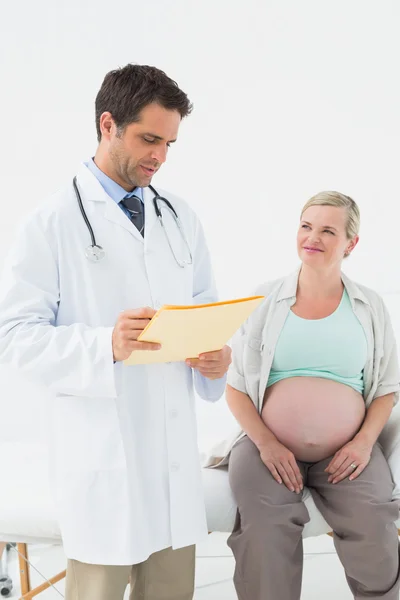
(204, 292)
(72, 360)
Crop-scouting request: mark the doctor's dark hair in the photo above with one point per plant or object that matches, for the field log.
(125, 92)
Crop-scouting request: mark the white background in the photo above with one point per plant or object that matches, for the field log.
(291, 97)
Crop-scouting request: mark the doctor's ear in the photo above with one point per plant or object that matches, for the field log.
(107, 125)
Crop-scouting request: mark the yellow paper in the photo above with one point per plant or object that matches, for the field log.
(187, 331)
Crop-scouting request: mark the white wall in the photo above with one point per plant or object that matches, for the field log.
(290, 98)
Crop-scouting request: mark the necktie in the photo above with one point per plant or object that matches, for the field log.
(134, 206)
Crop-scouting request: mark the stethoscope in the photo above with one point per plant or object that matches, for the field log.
(95, 253)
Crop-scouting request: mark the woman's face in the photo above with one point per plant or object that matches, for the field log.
(321, 240)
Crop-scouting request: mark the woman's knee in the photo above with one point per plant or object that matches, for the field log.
(249, 478)
(262, 502)
(374, 509)
(374, 520)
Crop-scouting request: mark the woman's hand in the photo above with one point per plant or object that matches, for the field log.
(349, 461)
(282, 465)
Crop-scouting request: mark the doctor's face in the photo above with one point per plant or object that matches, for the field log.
(135, 153)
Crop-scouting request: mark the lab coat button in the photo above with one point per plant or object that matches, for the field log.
(173, 413)
(174, 467)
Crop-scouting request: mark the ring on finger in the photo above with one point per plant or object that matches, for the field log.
(353, 466)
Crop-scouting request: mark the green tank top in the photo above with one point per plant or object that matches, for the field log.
(333, 348)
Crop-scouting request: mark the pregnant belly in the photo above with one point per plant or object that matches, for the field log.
(311, 416)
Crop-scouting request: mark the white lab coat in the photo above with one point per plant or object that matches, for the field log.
(125, 464)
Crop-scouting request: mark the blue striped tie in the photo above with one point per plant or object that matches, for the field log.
(134, 206)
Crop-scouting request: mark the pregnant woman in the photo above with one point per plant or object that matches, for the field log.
(314, 379)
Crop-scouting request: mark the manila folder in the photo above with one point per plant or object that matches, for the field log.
(187, 331)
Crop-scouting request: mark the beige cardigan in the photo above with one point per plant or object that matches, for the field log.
(254, 347)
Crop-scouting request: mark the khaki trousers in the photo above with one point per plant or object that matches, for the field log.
(267, 537)
(165, 575)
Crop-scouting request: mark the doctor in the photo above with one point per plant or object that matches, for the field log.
(126, 471)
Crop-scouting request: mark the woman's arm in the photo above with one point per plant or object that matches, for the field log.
(357, 452)
(248, 418)
(377, 416)
(280, 461)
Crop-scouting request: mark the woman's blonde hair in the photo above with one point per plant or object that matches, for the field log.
(342, 201)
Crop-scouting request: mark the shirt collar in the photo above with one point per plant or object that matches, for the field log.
(111, 187)
(289, 288)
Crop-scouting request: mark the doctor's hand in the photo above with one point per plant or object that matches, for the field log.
(128, 327)
(212, 365)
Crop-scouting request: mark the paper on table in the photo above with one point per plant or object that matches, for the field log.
(187, 331)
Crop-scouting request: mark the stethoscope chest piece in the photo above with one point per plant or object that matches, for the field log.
(94, 253)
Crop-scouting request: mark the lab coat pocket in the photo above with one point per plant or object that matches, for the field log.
(87, 434)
